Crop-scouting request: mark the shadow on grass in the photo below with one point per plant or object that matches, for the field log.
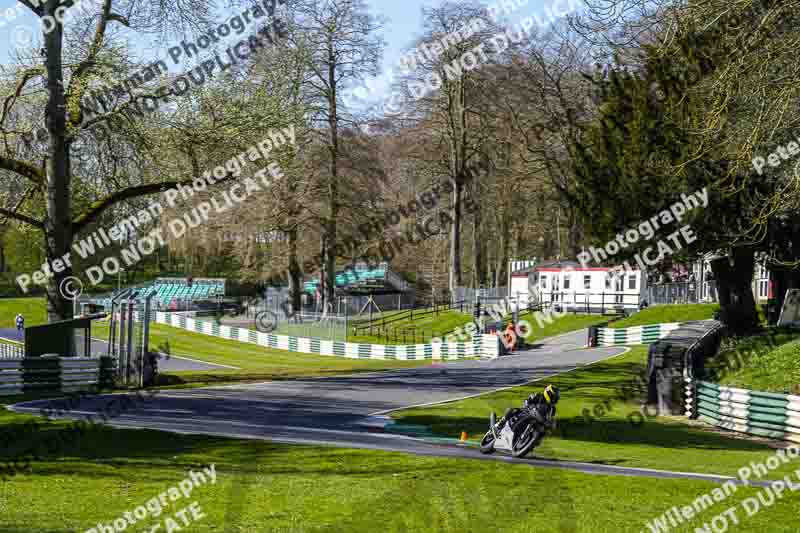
(612, 386)
(655, 432)
(154, 456)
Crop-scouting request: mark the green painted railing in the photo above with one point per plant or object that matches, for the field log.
(765, 414)
(634, 335)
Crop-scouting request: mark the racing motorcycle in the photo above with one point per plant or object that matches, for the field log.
(518, 432)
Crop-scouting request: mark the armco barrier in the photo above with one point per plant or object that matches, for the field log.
(11, 351)
(633, 335)
(479, 346)
(63, 374)
(765, 414)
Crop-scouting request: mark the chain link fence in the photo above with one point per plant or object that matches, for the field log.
(689, 292)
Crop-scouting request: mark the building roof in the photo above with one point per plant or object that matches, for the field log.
(560, 263)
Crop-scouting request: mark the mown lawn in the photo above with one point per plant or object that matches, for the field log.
(661, 314)
(768, 362)
(598, 421)
(418, 331)
(33, 309)
(256, 363)
(542, 329)
(76, 483)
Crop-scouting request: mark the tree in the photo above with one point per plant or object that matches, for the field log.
(676, 123)
(339, 37)
(444, 87)
(66, 83)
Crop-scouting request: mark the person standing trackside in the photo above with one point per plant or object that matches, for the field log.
(20, 321)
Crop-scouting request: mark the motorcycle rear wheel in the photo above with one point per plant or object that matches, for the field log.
(487, 443)
(525, 442)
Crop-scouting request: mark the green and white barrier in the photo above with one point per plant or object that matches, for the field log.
(9, 350)
(765, 414)
(634, 335)
(63, 374)
(479, 346)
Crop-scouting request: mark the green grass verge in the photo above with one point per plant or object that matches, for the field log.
(33, 309)
(78, 483)
(560, 325)
(607, 434)
(364, 318)
(256, 363)
(427, 326)
(768, 362)
(662, 314)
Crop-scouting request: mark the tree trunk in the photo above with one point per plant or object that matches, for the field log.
(455, 237)
(505, 245)
(329, 258)
(478, 249)
(293, 273)
(735, 290)
(573, 234)
(58, 222)
(323, 272)
(3, 266)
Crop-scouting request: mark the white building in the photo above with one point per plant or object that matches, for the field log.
(584, 289)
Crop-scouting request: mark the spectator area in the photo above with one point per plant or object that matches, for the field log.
(361, 278)
(170, 289)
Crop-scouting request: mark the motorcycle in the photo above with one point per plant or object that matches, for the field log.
(519, 432)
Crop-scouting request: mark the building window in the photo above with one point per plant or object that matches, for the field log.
(763, 289)
(632, 281)
(587, 282)
(608, 280)
(544, 282)
(566, 281)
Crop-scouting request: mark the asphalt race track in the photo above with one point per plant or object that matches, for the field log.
(348, 410)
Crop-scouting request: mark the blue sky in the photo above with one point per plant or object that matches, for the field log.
(404, 22)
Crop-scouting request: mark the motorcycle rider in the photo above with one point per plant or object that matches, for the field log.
(542, 403)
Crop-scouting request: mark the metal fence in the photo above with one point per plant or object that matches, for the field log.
(331, 327)
(467, 294)
(591, 302)
(328, 327)
(689, 292)
(276, 300)
(129, 329)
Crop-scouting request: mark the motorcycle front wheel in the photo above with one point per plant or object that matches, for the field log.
(525, 442)
(487, 443)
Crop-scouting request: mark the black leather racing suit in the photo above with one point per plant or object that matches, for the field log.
(546, 411)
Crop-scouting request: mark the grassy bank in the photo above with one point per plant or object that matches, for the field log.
(542, 329)
(255, 363)
(769, 362)
(598, 421)
(273, 487)
(33, 309)
(420, 330)
(661, 314)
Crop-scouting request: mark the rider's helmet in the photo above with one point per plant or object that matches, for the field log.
(551, 394)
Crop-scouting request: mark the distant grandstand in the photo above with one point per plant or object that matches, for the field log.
(363, 287)
(169, 290)
(170, 293)
(362, 279)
